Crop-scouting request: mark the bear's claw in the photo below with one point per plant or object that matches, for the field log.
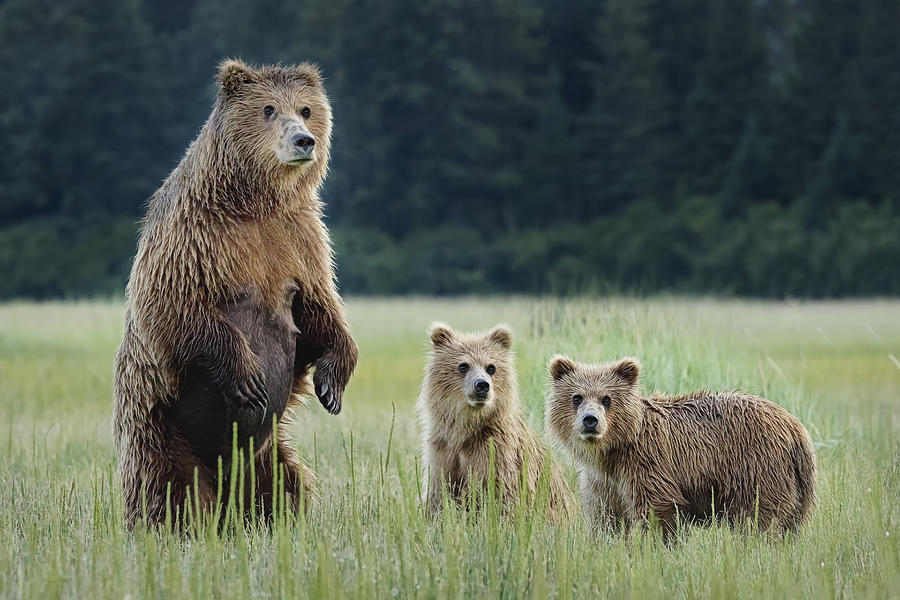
(330, 400)
(247, 402)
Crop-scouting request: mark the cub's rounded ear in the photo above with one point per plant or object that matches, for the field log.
(440, 333)
(233, 74)
(560, 366)
(628, 369)
(502, 335)
(309, 73)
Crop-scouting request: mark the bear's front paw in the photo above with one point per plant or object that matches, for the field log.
(247, 402)
(328, 390)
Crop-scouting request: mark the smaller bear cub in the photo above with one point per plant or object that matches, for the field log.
(470, 401)
(691, 457)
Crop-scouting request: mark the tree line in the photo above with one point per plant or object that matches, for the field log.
(488, 146)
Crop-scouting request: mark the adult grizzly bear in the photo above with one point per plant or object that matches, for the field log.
(691, 457)
(231, 297)
(468, 405)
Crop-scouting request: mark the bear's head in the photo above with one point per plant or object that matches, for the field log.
(469, 375)
(276, 119)
(593, 408)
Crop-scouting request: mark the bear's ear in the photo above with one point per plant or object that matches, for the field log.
(628, 369)
(560, 366)
(233, 74)
(502, 335)
(440, 333)
(309, 73)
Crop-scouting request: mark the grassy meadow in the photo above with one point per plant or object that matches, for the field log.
(834, 365)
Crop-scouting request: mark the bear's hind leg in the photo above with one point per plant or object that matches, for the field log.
(157, 468)
(171, 485)
(290, 487)
(193, 485)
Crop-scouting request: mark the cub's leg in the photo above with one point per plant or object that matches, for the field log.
(602, 502)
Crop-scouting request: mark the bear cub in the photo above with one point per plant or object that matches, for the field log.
(692, 457)
(469, 402)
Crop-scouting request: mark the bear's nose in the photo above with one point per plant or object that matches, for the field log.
(482, 387)
(303, 142)
(590, 421)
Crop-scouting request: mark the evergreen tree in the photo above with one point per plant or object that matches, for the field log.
(483, 146)
(821, 130)
(719, 120)
(99, 151)
(622, 139)
(879, 112)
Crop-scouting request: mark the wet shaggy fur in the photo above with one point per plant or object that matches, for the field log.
(459, 427)
(231, 297)
(678, 456)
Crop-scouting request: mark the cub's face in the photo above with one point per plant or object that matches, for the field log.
(468, 372)
(278, 118)
(592, 408)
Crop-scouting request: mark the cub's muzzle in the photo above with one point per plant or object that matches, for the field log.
(479, 394)
(590, 427)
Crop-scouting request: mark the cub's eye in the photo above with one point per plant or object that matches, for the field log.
(463, 367)
(305, 112)
(577, 399)
(491, 369)
(605, 401)
(269, 111)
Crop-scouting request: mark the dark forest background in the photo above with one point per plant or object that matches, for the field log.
(483, 146)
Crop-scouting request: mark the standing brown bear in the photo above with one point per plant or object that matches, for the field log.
(678, 456)
(232, 298)
(468, 405)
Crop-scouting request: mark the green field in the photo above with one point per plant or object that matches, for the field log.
(834, 365)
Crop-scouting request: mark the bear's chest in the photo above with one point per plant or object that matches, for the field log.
(266, 256)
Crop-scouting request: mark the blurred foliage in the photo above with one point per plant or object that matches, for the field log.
(498, 146)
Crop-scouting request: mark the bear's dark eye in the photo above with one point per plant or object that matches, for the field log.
(305, 112)
(269, 111)
(606, 401)
(463, 367)
(491, 369)
(577, 400)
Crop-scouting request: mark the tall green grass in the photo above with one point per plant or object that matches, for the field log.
(834, 365)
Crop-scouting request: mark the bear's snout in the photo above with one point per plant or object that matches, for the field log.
(482, 387)
(295, 145)
(589, 422)
(303, 142)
